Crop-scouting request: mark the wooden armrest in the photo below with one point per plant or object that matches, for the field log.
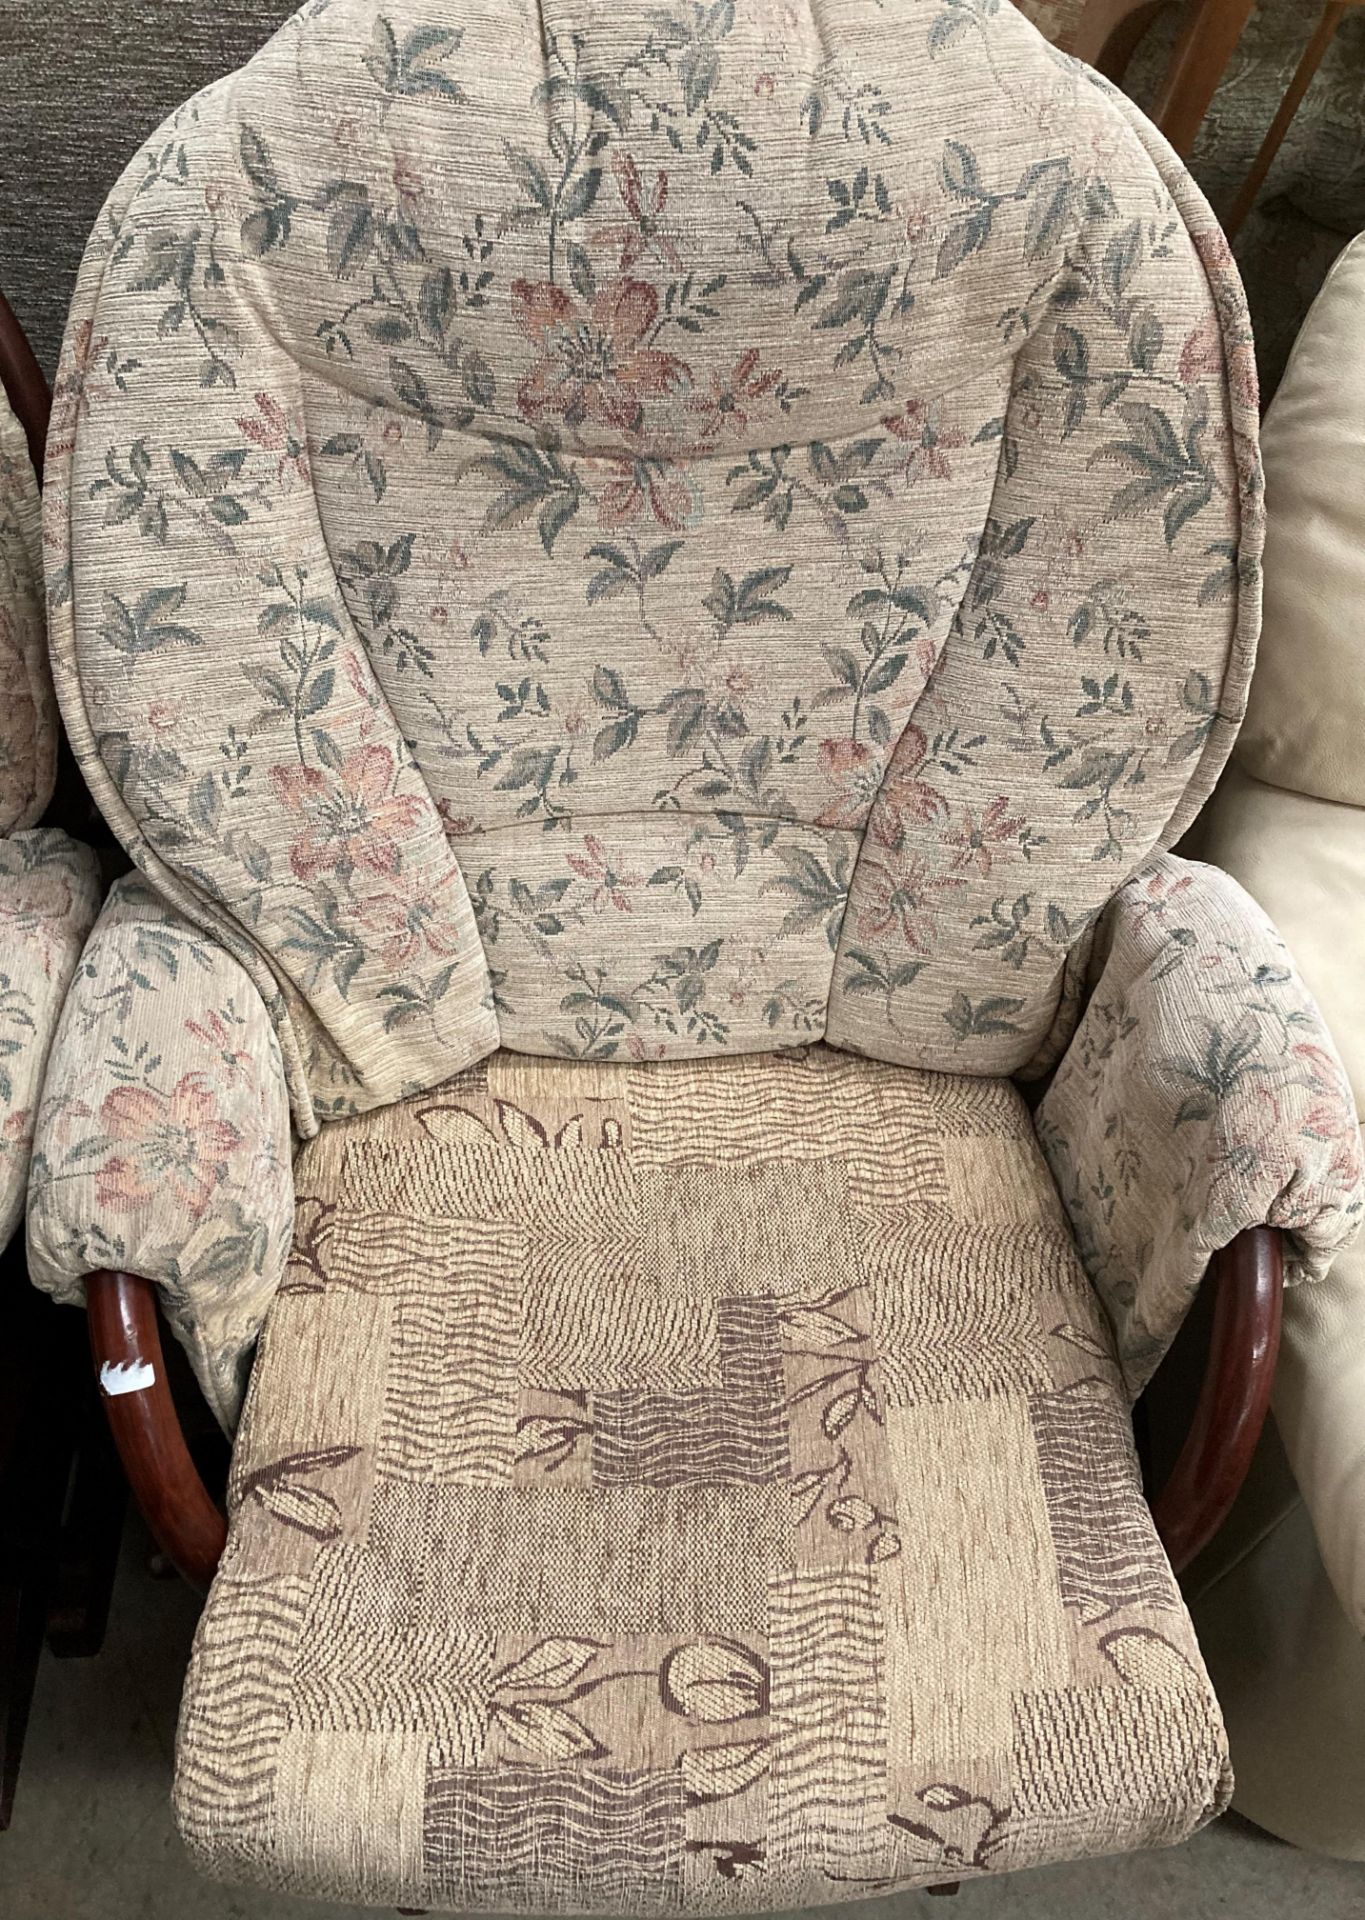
(125, 1339)
(1234, 1397)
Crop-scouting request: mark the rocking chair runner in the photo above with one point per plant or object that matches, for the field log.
(647, 592)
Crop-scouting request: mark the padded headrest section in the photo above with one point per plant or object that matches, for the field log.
(653, 529)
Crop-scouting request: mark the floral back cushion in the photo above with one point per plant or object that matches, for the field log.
(28, 715)
(647, 530)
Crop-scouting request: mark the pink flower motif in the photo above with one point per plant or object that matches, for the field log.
(610, 888)
(731, 398)
(595, 367)
(1159, 895)
(974, 842)
(1331, 1116)
(930, 440)
(1205, 354)
(839, 757)
(642, 231)
(177, 1147)
(855, 769)
(213, 1031)
(457, 826)
(654, 489)
(16, 1135)
(415, 916)
(352, 817)
(407, 182)
(78, 385)
(906, 798)
(360, 679)
(639, 1049)
(276, 431)
(898, 898)
(855, 776)
(918, 221)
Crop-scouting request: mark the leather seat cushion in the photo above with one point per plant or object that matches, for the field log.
(691, 1487)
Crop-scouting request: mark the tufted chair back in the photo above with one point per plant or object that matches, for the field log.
(637, 531)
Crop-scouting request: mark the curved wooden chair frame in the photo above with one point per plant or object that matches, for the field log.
(190, 1529)
(1109, 31)
(25, 384)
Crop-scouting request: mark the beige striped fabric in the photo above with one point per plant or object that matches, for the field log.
(697, 1486)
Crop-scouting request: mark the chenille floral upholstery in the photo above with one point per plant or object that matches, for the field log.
(165, 1136)
(49, 885)
(655, 582)
(822, 491)
(1200, 1096)
(49, 896)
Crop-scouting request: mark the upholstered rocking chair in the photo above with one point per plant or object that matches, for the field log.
(649, 588)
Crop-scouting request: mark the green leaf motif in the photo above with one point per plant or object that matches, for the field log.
(147, 627)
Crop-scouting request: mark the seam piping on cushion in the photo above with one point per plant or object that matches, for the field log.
(1186, 198)
(254, 294)
(110, 797)
(1013, 363)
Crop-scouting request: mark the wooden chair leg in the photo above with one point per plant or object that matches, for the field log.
(1207, 42)
(1312, 59)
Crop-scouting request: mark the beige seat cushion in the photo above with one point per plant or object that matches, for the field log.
(686, 1485)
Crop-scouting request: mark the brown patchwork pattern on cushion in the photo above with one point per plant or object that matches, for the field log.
(696, 1487)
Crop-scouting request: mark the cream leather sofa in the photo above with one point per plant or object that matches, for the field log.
(1282, 1617)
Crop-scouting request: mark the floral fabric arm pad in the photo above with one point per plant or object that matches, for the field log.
(163, 1144)
(49, 896)
(1201, 1095)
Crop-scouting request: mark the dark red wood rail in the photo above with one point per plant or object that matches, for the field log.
(1234, 1398)
(125, 1339)
(24, 384)
(1233, 1402)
